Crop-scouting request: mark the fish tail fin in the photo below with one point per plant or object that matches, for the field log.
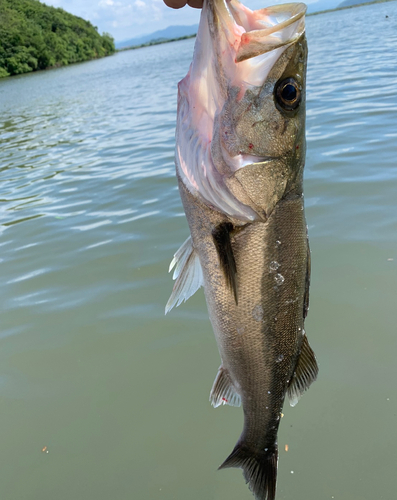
(259, 469)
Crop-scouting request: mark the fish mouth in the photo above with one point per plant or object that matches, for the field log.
(251, 41)
(267, 29)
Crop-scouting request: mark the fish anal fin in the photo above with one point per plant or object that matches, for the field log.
(188, 275)
(221, 237)
(223, 391)
(259, 469)
(306, 372)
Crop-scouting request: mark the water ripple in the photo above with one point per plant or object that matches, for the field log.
(90, 219)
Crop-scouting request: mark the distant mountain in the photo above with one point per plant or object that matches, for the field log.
(321, 5)
(349, 3)
(167, 33)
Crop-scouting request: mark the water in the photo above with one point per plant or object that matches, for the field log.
(89, 366)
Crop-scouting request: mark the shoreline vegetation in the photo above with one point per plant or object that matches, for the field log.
(167, 40)
(35, 36)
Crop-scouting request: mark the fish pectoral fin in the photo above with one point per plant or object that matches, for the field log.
(223, 391)
(221, 237)
(306, 372)
(188, 275)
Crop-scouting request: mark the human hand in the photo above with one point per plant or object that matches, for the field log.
(178, 4)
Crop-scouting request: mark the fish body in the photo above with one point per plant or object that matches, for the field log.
(240, 155)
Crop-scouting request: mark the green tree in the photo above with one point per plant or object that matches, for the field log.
(36, 36)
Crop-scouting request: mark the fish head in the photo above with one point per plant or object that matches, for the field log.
(241, 108)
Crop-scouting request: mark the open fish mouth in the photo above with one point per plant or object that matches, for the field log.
(267, 29)
(254, 40)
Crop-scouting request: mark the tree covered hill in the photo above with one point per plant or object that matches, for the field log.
(36, 36)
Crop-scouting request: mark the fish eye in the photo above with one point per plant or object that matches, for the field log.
(288, 94)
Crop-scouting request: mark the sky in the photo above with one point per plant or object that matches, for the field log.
(125, 19)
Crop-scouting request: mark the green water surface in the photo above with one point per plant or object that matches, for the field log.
(90, 218)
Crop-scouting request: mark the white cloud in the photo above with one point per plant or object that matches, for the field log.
(127, 18)
(130, 18)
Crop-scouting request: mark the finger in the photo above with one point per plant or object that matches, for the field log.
(175, 4)
(196, 4)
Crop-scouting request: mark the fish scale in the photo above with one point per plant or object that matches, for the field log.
(240, 156)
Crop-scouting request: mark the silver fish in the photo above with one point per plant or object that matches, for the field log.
(240, 153)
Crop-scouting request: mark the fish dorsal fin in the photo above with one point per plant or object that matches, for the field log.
(188, 275)
(221, 236)
(223, 391)
(305, 373)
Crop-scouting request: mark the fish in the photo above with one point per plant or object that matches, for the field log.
(240, 155)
